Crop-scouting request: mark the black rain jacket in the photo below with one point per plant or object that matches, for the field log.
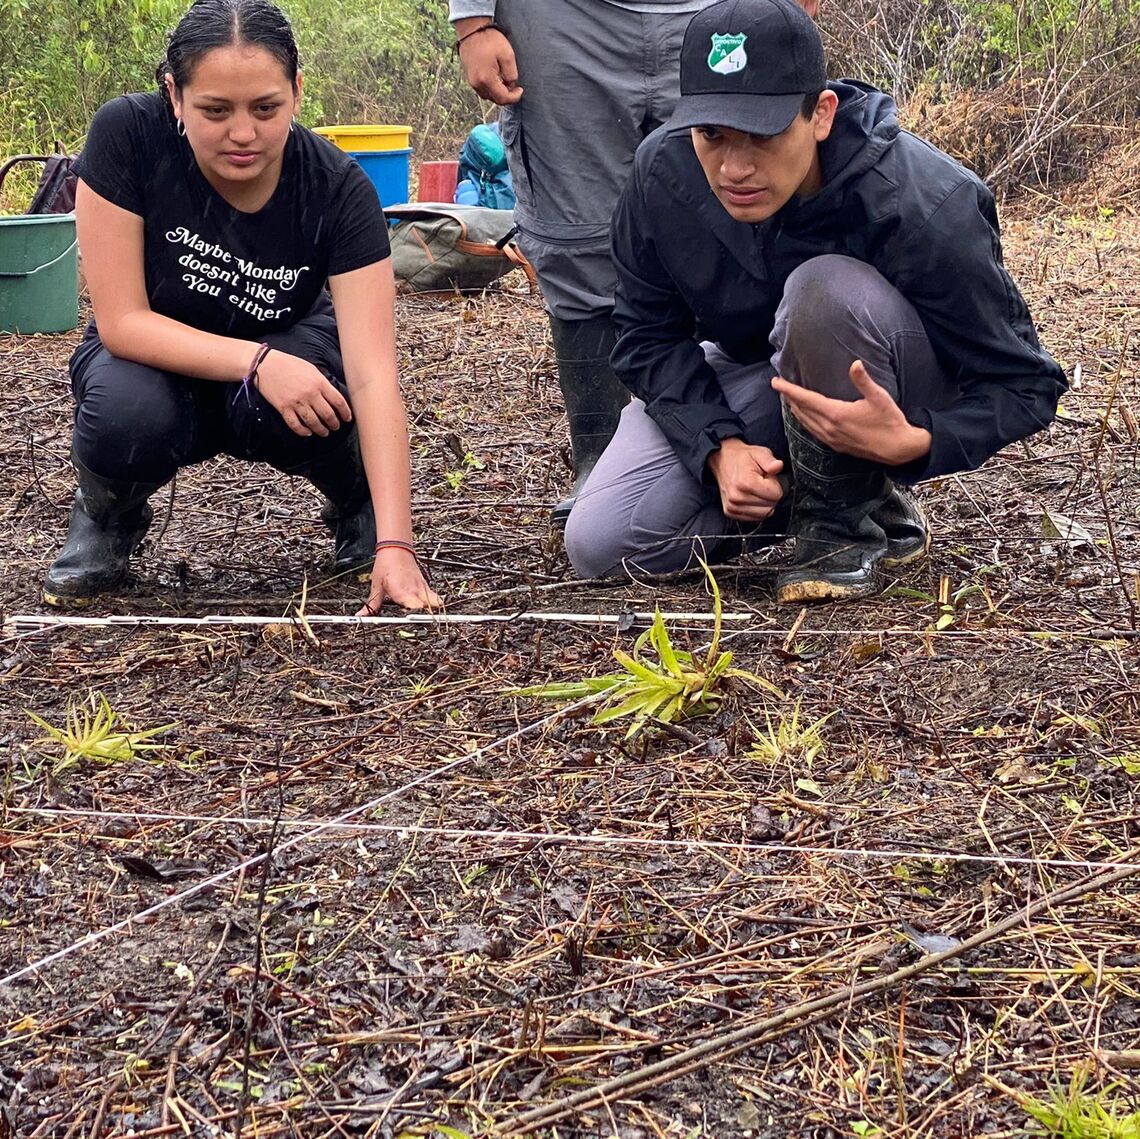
(688, 272)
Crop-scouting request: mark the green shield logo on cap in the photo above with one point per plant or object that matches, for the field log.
(727, 55)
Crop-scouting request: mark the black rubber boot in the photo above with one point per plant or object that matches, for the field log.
(347, 511)
(839, 544)
(906, 528)
(593, 395)
(109, 518)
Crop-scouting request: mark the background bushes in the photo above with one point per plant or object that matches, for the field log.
(1028, 92)
(385, 61)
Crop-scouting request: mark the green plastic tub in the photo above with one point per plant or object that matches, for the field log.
(39, 273)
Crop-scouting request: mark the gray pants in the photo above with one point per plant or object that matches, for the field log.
(641, 511)
(596, 80)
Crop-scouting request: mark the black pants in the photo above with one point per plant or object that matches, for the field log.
(140, 424)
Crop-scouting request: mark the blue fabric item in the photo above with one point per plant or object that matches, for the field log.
(483, 162)
(467, 193)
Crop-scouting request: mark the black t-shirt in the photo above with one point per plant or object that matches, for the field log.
(216, 268)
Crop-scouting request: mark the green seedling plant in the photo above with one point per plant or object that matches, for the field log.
(1079, 1114)
(455, 478)
(670, 685)
(94, 731)
(135, 1069)
(787, 740)
(950, 601)
(1128, 761)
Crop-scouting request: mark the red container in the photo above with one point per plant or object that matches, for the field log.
(437, 181)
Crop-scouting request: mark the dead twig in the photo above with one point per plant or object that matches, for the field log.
(244, 1098)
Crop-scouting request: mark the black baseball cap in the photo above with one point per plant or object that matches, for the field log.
(747, 64)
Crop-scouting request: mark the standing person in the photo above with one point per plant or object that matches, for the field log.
(581, 83)
(806, 294)
(210, 221)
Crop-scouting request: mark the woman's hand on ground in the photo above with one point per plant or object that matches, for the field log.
(746, 476)
(305, 399)
(397, 577)
(871, 427)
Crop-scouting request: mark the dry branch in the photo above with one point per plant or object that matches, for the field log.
(805, 1013)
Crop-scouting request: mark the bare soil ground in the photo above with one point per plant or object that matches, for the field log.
(524, 921)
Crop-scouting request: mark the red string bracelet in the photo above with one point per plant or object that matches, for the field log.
(400, 544)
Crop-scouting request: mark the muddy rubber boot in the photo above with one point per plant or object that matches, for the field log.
(906, 528)
(347, 511)
(109, 518)
(593, 395)
(839, 545)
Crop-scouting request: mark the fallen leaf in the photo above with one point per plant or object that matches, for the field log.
(1058, 527)
(930, 942)
(1017, 770)
(748, 1117)
(568, 899)
(471, 939)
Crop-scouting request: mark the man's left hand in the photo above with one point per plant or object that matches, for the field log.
(871, 427)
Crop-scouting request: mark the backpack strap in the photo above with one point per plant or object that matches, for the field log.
(515, 254)
(15, 160)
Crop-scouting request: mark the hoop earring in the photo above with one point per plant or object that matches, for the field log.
(180, 129)
(292, 123)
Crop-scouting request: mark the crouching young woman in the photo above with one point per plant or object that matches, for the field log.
(210, 223)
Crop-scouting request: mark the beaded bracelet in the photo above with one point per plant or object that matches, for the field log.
(250, 378)
(491, 27)
(400, 544)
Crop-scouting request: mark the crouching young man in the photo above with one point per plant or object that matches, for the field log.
(812, 312)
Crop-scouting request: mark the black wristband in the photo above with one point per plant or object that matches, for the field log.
(491, 26)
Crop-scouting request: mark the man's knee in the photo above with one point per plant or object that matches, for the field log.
(820, 296)
(834, 310)
(595, 542)
(662, 530)
(614, 525)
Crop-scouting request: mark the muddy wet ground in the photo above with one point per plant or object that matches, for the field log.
(483, 913)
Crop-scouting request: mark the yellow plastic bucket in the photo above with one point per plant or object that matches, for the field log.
(368, 138)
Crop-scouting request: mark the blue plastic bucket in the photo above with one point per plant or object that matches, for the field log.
(39, 279)
(387, 170)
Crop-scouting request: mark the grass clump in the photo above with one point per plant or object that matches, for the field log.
(789, 741)
(1076, 1113)
(94, 731)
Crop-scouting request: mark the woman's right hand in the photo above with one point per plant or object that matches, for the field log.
(305, 399)
(397, 576)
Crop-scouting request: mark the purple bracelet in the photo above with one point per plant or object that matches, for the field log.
(250, 378)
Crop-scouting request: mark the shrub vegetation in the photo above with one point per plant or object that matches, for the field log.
(1025, 91)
